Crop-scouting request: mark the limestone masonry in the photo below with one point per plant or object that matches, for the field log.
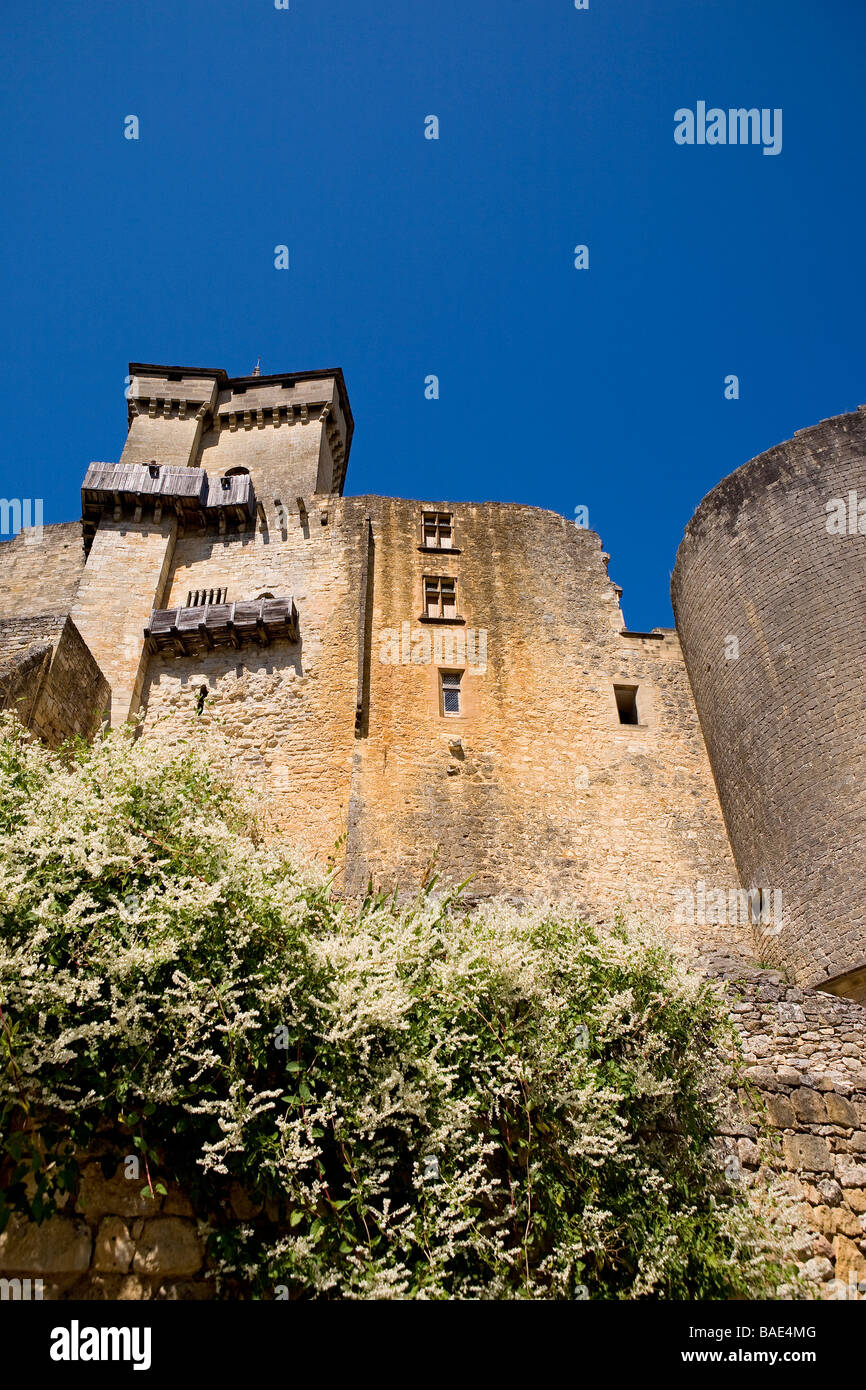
(407, 681)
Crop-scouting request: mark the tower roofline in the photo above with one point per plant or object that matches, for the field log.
(226, 382)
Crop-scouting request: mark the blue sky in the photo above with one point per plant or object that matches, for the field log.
(411, 257)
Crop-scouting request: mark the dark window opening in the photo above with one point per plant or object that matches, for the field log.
(626, 703)
(200, 698)
(450, 686)
(235, 472)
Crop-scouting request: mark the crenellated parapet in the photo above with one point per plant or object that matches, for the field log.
(291, 432)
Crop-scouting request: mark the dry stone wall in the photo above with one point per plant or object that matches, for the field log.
(800, 1115)
(26, 647)
(111, 1242)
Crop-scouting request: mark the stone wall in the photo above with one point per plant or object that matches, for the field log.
(537, 770)
(801, 1114)
(293, 439)
(111, 1242)
(39, 574)
(291, 432)
(49, 676)
(124, 580)
(783, 712)
(287, 709)
(537, 789)
(166, 414)
(26, 647)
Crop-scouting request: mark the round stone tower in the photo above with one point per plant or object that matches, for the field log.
(769, 593)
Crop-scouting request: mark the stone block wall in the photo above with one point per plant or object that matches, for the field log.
(49, 676)
(537, 770)
(783, 712)
(110, 1242)
(287, 709)
(39, 574)
(124, 580)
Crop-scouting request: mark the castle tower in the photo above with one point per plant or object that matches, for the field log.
(204, 453)
(291, 432)
(769, 593)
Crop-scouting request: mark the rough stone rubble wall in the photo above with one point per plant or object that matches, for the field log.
(110, 1242)
(26, 647)
(803, 1054)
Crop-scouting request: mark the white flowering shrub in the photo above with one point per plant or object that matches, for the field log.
(427, 1102)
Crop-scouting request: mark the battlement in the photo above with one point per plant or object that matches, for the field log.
(291, 432)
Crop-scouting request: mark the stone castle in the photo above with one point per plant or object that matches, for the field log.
(407, 681)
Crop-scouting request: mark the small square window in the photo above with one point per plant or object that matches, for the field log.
(626, 703)
(437, 531)
(450, 686)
